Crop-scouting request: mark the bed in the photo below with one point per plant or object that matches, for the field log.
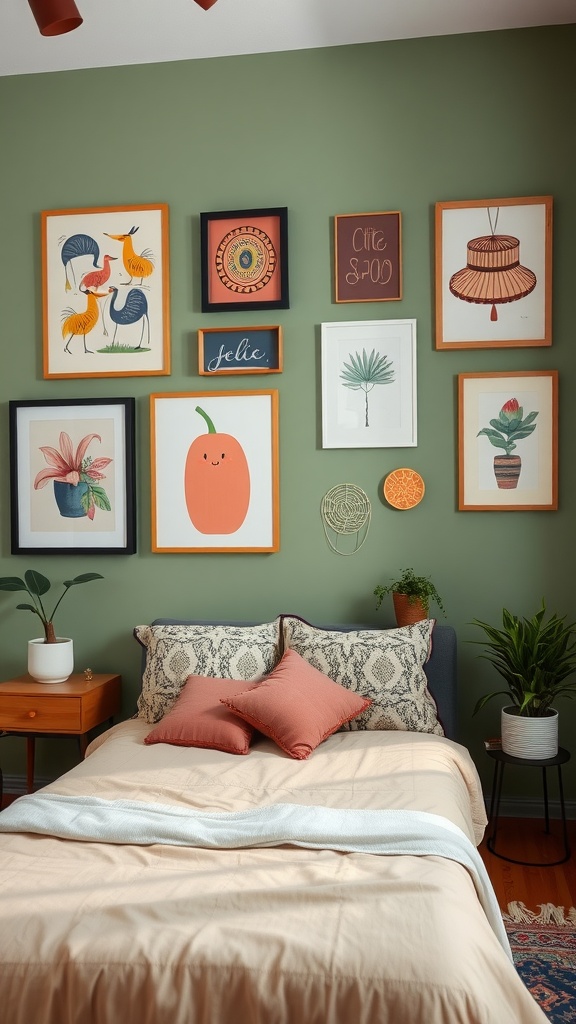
(325, 872)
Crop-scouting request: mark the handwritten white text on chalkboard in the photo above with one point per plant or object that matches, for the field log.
(243, 353)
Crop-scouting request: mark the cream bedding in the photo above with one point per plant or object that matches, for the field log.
(93, 932)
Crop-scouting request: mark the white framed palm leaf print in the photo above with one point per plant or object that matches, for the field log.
(369, 384)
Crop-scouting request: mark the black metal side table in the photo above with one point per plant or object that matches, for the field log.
(502, 760)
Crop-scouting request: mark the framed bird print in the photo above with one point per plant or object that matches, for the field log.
(494, 273)
(105, 292)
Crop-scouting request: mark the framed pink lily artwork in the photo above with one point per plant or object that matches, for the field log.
(72, 476)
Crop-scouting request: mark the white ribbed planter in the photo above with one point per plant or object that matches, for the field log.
(533, 738)
(51, 663)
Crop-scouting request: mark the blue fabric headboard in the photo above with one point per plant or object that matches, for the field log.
(440, 669)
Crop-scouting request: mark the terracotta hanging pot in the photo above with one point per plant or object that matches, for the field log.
(407, 611)
(507, 471)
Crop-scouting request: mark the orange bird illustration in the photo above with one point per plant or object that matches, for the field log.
(82, 323)
(96, 278)
(137, 264)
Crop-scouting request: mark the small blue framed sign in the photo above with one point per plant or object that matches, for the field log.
(235, 350)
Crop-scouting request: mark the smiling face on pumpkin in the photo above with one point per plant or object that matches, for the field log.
(217, 484)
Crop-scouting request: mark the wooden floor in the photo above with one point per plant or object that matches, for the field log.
(523, 839)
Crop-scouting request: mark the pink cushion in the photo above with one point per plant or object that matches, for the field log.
(297, 706)
(199, 719)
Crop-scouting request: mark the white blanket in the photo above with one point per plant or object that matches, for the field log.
(134, 822)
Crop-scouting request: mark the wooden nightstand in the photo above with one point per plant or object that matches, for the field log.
(73, 708)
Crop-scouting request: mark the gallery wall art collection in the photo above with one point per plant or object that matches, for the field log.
(214, 454)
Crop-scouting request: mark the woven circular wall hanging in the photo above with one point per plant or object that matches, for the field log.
(346, 512)
(404, 488)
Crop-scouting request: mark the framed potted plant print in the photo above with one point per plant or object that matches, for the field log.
(369, 384)
(494, 273)
(508, 441)
(244, 259)
(72, 476)
(105, 292)
(215, 471)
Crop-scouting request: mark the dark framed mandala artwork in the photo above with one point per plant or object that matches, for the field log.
(244, 259)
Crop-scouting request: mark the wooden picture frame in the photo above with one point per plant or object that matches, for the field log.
(368, 257)
(508, 441)
(244, 259)
(494, 273)
(106, 291)
(239, 350)
(357, 357)
(215, 471)
(72, 476)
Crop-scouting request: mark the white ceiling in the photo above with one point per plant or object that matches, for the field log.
(118, 32)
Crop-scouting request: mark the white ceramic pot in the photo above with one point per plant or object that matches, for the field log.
(50, 663)
(532, 738)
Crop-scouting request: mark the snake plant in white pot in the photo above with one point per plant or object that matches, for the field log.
(50, 657)
(535, 657)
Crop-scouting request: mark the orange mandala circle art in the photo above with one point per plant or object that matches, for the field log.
(404, 488)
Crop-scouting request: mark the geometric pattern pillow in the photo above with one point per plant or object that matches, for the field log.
(176, 651)
(383, 664)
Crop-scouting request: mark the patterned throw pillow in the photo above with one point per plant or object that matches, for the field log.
(383, 664)
(174, 652)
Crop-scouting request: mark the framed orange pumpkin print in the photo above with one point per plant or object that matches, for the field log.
(215, 471)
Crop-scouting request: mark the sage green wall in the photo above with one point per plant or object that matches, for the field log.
(385, 126)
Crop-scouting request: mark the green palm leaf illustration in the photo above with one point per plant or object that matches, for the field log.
(363, 372)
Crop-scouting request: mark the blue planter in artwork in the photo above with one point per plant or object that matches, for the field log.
(69, 499)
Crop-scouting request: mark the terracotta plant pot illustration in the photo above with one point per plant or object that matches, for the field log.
(507, 471)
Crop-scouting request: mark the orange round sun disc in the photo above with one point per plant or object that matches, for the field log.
(404, 488)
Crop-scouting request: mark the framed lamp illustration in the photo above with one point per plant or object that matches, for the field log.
(244, 259)
(494, 273)
(72, 476)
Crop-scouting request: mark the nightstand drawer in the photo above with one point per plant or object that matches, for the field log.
(40, 714)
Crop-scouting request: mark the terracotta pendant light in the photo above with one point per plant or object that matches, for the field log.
(55, 17)
(205, 4)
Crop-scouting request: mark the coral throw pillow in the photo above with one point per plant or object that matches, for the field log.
(297, 706)
(199, 719)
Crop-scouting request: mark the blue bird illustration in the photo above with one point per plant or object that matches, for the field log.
(78, 245)
(134, 309)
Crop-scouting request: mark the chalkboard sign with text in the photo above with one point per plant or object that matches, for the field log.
(368, 257)
(227, 350)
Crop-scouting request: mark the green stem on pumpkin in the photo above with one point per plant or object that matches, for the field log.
(211, 427)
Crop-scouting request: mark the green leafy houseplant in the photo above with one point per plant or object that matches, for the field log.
(534, 656)
(417, 589)
(37, 586)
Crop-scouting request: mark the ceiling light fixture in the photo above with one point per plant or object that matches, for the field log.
(56, 17)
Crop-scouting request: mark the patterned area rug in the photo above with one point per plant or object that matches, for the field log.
(544, 949)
